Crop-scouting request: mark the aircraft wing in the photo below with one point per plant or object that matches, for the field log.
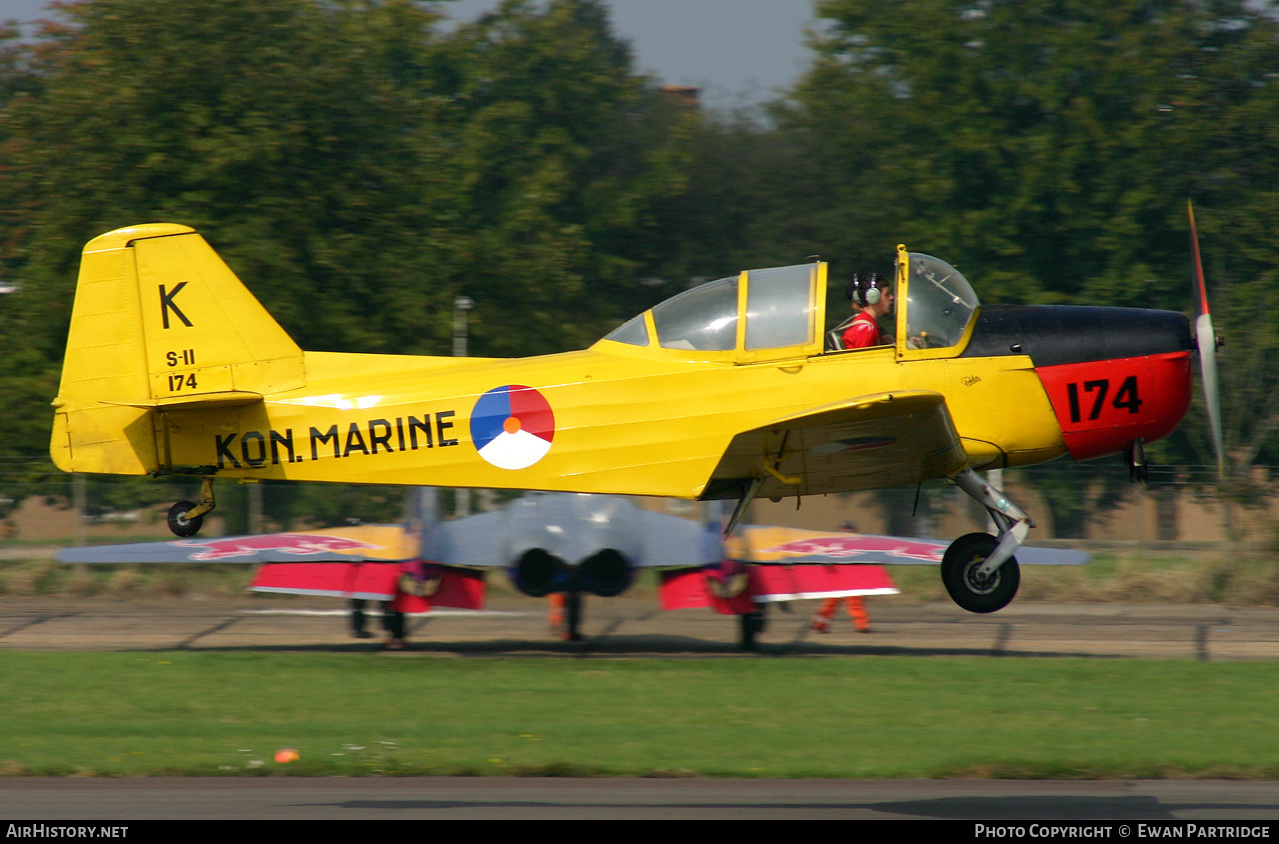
(673, 542)
(791, 546)
(873, 441)
(477, 541)
(383, 543)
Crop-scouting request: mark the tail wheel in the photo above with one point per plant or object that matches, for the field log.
(180, 524)
(970, 589)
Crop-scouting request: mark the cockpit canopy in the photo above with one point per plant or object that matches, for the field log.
(756, 312)
(780, 312)
(939, 302)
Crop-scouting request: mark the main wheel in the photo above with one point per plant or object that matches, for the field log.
(972, 591)
(180, 524)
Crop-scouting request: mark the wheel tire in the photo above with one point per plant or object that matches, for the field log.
(959, 573)
(180, 524)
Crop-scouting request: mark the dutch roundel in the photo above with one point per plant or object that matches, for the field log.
(512, 426)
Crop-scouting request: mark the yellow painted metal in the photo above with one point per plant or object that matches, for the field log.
(169, 354)
(871, 441)
(203, 331)
(902, 292)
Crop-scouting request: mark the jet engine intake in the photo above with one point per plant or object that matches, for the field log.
(538, 573)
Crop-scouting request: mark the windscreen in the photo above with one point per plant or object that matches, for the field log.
(941, 301)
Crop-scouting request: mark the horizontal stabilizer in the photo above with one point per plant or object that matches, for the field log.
(191, 402)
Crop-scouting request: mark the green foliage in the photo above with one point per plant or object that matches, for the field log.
(751, 201)
(269, 127)
(27, 383)
(565, 150)
(356, 165)
(294, 506)
(1047, 147)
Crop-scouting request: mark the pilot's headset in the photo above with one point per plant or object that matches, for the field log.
(864, 290)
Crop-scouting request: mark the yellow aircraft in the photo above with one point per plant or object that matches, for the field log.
(726, 391)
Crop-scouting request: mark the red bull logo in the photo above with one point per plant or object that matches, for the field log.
(300, 544)
(858, 546)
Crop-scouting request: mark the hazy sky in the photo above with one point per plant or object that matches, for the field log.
(738, 51)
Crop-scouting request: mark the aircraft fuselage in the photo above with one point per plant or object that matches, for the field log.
(173, 367)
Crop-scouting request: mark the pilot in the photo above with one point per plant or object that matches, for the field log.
(871, 298)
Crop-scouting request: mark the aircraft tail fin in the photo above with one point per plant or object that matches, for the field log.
(160, 323)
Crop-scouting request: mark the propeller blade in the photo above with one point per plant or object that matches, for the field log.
(1207, 341)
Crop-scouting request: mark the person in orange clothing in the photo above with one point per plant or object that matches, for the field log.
(856, 611)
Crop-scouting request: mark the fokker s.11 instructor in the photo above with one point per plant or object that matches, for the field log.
(725, 391)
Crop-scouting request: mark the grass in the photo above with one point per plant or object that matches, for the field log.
(194, 713)
(191, 713)
(49, 577)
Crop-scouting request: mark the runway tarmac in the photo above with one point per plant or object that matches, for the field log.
(631, 626)
(479, 798)
(625, 628)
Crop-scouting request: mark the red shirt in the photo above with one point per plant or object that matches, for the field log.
(863, 333)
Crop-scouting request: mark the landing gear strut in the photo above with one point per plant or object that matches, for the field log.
(185, 518)
(751, 624)
(573, 617)
(979, 570)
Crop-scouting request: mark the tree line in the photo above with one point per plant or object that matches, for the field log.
(361, 163)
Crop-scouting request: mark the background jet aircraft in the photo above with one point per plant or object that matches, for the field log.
(567, 543)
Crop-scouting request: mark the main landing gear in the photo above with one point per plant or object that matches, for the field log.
(750, 625)
(573, 617)
(566, 615)
(185, 517)
(979, 570)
